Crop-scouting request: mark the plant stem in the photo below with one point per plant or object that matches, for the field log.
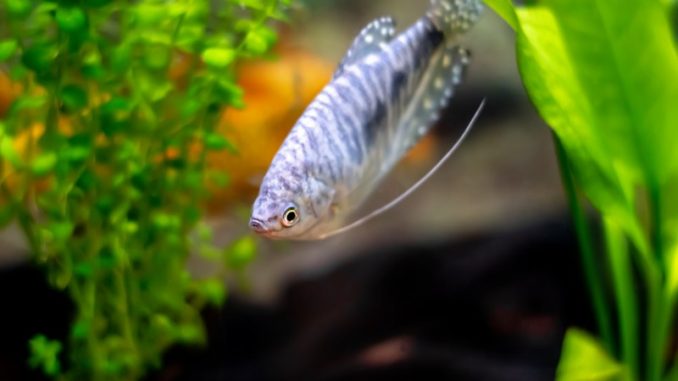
(663, 333)
(627, 304)
(653, 368)
(586, 250)
(658, 306)
(657, 226)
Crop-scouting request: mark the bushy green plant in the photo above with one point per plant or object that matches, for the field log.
(604, 76)
(103, 163)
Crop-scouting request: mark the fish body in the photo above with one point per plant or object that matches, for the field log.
(385, 95)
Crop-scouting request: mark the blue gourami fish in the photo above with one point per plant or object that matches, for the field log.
(384, 96)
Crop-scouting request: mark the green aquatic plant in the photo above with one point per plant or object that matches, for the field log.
(604, 75)
(103, 164)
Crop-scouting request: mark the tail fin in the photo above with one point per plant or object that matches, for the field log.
(453, 17)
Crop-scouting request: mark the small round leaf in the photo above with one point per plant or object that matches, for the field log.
(215, 141)
(73, 97)
(241, 253)
(9, 153)
(7, 49)
(218, 57)
(229, 93)
(18, 7)
(255, 43)
(44, 163)
(39, 57)
(71, 19)
(45, 355)
(214, 291)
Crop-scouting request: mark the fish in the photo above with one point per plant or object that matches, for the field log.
(384, 96)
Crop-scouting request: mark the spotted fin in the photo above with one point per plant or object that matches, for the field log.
(454, 17)
(370, 40)
(443, 75)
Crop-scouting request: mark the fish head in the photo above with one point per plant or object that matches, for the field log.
(291, 211)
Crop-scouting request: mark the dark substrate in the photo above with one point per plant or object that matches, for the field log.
(490, 307)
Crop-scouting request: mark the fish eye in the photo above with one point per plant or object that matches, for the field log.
(290, 217)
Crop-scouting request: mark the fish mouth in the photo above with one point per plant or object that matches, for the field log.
(259, 227)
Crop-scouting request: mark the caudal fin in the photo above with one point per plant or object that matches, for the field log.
(453, 17)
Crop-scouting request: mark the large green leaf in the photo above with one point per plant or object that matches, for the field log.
(504, 8)
(625, 68)
(551, 75)
(604, 75)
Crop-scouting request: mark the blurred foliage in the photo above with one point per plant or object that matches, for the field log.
(109, 112)
(44, 354)
(604, 76)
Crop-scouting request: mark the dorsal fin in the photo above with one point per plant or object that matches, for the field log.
(443, 75)
(370, 40)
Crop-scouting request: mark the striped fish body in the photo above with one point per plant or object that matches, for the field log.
(384, 96)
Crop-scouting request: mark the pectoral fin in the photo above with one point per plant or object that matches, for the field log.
(415, 186)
